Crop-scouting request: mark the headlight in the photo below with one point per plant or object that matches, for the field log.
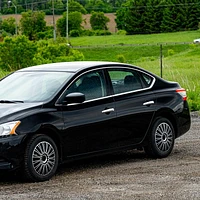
(9, 128)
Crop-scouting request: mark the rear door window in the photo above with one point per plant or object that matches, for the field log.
(124, 80)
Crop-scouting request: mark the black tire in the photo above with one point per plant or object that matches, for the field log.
(160, 139)
(41, 158)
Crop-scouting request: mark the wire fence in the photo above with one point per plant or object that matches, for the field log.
(162, 49)
(121, 44)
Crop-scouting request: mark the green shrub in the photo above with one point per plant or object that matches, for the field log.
(16, 53)
(194, 100)
(4, 34)
(74, 33)
(102, 32)
(9, 25)
(40, 35)
(170, 52)
(87, 32)
(58, 40)
(121, 58)
(50, 52)
(44, 35)
(19, 52)
(192, 46)
(38, 60)
(76, 55)
(121, 32)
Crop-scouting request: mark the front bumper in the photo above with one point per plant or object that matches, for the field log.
(11, 151)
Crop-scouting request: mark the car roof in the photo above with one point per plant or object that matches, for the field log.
(69, 66)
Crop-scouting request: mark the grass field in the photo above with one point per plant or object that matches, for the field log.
(180, 57)
(187, 36)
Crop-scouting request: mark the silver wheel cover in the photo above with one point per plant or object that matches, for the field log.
(43, 158)
(164, 137)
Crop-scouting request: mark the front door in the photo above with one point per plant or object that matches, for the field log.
(89, 126)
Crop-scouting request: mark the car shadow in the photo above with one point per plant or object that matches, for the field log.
(102, 161)
(9, 177)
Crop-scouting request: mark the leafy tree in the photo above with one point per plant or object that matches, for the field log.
(16, 53)
(75, 6)
(130, 17)
(9, 25)
(135, 17)
(99, 21)
(192, 15)
(98, 6)
(82, 2)
(174, 18)
(148, 16)
(167, 23)
(1, 22)
(47, 34)
(74, 22)
(121, 16)
(59, 7)
(117, 3)
(32, 23)
(178, 16)
(153, 16)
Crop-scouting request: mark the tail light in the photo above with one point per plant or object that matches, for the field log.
(182, 92)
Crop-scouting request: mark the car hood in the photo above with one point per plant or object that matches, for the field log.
(17, 109)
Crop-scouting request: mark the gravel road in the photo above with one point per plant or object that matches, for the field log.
(123, 176)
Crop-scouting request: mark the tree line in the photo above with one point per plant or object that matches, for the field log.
(59, 6)
(132, 16)
(156, 16)
(33, 25)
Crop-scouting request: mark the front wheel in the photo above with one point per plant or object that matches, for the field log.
(160, 139)
(41, 158)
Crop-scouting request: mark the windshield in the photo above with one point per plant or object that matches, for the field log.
(31, 86)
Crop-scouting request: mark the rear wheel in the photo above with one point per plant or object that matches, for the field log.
(41, 158)
(160, 139)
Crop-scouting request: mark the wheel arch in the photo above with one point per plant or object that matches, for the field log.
(52, 133)
(168, 114)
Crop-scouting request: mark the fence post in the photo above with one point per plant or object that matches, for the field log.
(161, 64)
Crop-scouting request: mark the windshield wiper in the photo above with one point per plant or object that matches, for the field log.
(9, 101)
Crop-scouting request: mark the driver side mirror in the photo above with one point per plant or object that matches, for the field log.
(75, 97)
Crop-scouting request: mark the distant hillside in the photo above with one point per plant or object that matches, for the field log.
(49, 20)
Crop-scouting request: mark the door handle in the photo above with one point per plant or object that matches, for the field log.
(148, 103)
(107, 111)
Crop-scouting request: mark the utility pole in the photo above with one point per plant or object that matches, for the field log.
(32, 5)
(67, 28)
(54, 24)
(9, 2)
(26, 4)
(161, 61)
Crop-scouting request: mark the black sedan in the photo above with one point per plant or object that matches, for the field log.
(55, 113)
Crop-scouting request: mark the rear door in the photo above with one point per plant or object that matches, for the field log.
(135, 104)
